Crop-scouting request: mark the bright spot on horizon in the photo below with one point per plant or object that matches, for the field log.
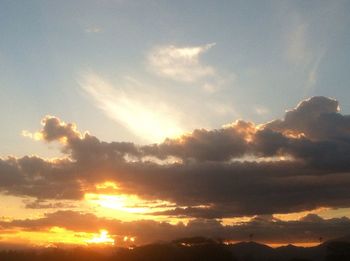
(102, 238)
(126, 238)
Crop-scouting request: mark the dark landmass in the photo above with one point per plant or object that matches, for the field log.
(196, 248)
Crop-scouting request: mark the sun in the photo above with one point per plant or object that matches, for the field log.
(102, 238)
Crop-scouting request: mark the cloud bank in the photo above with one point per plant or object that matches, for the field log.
(288, 165)
(265, 228)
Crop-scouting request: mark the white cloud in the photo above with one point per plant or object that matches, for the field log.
(210, 88)
(261, 110)
(152, 121)
(180, 63)
(93, 29)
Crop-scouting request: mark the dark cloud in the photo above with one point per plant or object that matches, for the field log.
(54, 129)
(42, 204)
(317, 118)
(36, 177)
(205, 145)
(297, 163)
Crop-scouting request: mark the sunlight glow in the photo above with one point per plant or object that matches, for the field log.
(54, 236)
(145, 119)
(126, 203)
(131, 239)
(299, 215)
(107, 184)
(35, 136)
(118, 202)
(58, 236)
(102, 238)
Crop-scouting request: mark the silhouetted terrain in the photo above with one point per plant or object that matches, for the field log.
(189, 249)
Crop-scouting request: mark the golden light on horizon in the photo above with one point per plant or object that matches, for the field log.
(52, 237)
(58, 236)
(299, 215)
(102, 238)
(127, 238)
(275, 245)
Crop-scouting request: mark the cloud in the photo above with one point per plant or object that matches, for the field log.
(42, 204)
(144, 115)
(261, 110)
(93, 29)
(297, 47)
(296, 163)
(36, 177)
(180, 63)
(265, 228)
(317, 118)
(313, 72)
(55, 129)
(302, 51)
(202, 145)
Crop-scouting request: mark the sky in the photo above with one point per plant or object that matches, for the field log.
(124, 122)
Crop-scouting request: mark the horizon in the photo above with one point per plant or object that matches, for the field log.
(106, 247)
(194, 248)
(127, 123)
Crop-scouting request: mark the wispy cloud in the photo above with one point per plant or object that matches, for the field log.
(313, 72)
(297, 49)
(93, 29)
(303, 51)
(180, 63)
(261, 110)
(139, 113)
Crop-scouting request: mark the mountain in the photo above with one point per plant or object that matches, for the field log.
(335, 249)
(190, 249)
(251, 251)
(291, 252)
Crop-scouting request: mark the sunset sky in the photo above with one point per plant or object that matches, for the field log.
(128, 122)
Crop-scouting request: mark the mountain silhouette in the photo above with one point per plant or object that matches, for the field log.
(188, 249)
